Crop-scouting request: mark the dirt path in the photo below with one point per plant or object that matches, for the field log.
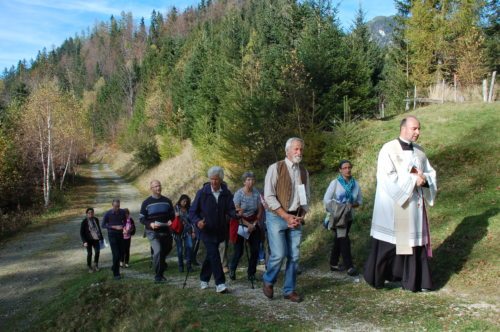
(34, 263)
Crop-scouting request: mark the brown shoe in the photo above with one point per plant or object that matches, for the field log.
(268, 290)
(293, 296)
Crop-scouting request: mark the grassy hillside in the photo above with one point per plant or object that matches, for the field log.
(462, 143)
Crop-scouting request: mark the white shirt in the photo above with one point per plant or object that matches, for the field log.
(271, 180)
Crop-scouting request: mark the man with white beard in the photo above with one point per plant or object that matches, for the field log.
(286, 193)
(406, 183)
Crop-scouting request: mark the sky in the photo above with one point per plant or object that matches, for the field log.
(27, 26)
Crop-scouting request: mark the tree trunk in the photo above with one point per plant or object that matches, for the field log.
(68, 162)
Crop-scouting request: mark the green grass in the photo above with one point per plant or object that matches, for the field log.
(462, 143)
(96, 302)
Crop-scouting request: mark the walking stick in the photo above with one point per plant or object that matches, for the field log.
(248, 259)
(188, 270)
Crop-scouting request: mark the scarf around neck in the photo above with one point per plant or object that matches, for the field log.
(348, 187)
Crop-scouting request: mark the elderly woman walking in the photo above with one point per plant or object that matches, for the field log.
(343, 194)
(210, 213)
(249, 208)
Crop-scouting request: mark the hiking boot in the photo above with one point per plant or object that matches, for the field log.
(203, 284)
(221, 288)
(232, 274)
(268, 290)
(293, 297)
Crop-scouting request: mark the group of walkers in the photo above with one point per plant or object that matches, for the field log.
(120, 227)
(400, 230)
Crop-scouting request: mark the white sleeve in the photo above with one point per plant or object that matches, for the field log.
(398, 185)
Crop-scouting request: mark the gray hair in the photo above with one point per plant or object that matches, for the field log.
(291, 140)
(247, 175)
(216, 170)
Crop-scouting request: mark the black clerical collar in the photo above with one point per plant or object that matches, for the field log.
(405, 146)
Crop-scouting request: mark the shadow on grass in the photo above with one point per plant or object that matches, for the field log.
(452, 254)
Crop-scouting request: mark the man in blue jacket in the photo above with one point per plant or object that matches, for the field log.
(210, 213)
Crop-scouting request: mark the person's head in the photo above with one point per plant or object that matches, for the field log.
(127, 212)
(294, 148)
(216, 176)
(89, 212)
(116, 204)
(155, 187)
(184, 201)
(248, 179)
(345, 167)
(409, 129)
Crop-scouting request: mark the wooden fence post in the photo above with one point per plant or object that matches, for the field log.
(442, 92)
(492, 87)
(455, 87)
(485, 90)
(415, 97)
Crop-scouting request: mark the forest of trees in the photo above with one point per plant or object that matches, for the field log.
(235, 76)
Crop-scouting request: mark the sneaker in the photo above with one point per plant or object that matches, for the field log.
(337, 268)
(181, 269)
(203, 284)
(126, 265)
(221, 288)
(160, 280)
(352, 272)
(121, 264)
(91, 270)
(232, 274)
(252, 278)
(96, 268)
(262, 262)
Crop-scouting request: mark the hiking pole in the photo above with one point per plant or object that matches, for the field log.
(248, 259)
(188, 270)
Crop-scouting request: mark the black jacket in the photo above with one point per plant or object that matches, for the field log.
(85, 232)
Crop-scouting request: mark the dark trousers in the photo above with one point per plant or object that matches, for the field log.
(212, 264)
(184, 244)
(116, 244)
(341, 246)
(161, 245)
(239, 247)
(97, 249)
(126, 251)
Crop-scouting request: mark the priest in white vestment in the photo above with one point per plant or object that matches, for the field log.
(406, 185)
